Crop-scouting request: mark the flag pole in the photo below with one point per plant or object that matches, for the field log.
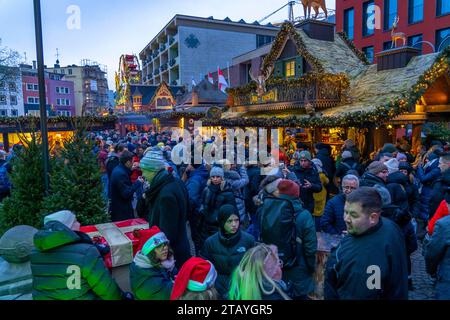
(228, 68)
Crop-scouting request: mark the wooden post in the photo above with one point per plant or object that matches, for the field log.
(416, 136)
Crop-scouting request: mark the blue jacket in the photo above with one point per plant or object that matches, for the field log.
(437, 257)
(359, 260)
(332, 220)
(427, 177)
(195, 185)
(121, 191)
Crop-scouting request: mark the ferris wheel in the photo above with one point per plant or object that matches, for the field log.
(129, 73)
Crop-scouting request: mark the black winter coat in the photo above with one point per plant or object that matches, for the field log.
(358, 260)
(439, 188)
(252, 189)
(369, 180)
(306, 195)
(212, 199)
(121, 191)
(346, 165)
(166, 201)
(226, 254)
(61, 254)
(411, 189)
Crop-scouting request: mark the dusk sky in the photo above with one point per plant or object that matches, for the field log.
(109, 28)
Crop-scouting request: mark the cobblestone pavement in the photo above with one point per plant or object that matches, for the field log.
(423, 288)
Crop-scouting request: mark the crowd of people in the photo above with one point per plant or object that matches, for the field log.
(226, 231)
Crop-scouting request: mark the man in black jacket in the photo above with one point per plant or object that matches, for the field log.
(166, 203)
(370, 263)
(308, 178)
(122, 190)
(441, 184)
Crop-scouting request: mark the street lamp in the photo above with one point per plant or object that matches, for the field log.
(41, 81)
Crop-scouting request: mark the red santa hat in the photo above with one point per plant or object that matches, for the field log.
(155, 237)
(196, 275)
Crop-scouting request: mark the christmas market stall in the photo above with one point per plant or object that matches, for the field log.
(318, 87)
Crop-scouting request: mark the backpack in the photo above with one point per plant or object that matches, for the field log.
(5, 184)
(277, 221)
(352, 167)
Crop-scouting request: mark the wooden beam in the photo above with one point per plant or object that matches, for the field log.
(438, 108)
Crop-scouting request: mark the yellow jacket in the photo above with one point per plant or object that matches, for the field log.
(320, 198)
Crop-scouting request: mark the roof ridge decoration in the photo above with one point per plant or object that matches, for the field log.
(287, 32)
(352, 46)
(376, 117)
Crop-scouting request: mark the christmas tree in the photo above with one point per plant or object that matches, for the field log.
(24, 206)
(75, 183)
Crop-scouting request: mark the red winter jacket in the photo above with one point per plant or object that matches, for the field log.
(137, 172)
(441, 212)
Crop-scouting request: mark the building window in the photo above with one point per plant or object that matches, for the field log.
(2, 99)
(66, 90)
(387, 45)
(12, 87)
(443, 7)
(14, 113)
(415, 11)
(33, 100)
(368, 18)
(63, 71)
(3, 113)
(390, 13)
(2, 84)
(349, 23)
(442, 38)
(368, 51)
(13, 100)
(57, 89)
(414, 40)
(263, 40)
(289, 68)
(70, 71)
(29, 87)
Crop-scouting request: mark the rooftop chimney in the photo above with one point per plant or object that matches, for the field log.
(316, 29)
(395, 58)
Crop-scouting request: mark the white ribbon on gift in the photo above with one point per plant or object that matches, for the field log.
(121, 247)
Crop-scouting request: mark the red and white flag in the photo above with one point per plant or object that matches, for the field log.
(210, 78)
(223, 84)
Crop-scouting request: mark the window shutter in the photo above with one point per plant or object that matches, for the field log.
(298, 66)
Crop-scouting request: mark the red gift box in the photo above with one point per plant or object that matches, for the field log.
(124, 238)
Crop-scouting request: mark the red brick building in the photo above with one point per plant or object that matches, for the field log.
(426, 23)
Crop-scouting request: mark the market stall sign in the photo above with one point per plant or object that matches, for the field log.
(270, 96)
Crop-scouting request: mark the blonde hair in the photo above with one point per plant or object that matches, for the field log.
(249, 280)
(208, 294)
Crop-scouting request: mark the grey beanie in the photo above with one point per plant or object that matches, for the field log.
(384, 194)
(347, 154)
(216, 172)
(66, 217)
(16, 244)
(153, 160)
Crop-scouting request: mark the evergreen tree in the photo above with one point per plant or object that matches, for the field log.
(75, 183)
(24, 206)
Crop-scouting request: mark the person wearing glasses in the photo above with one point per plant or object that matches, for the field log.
(332, 221)
(259, 276)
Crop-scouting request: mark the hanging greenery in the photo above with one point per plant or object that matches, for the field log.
(340, 80)
(26, 120)
(376, 117)
(352, 46)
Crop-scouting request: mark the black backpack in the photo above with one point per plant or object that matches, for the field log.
(278, 226)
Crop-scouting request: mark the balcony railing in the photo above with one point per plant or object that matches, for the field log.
(162, 48)
(155, 54)
(282, 95)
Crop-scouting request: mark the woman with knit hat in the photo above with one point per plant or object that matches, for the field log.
(195, 281)
(153, 269)
(216, 194)
(226, 247)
